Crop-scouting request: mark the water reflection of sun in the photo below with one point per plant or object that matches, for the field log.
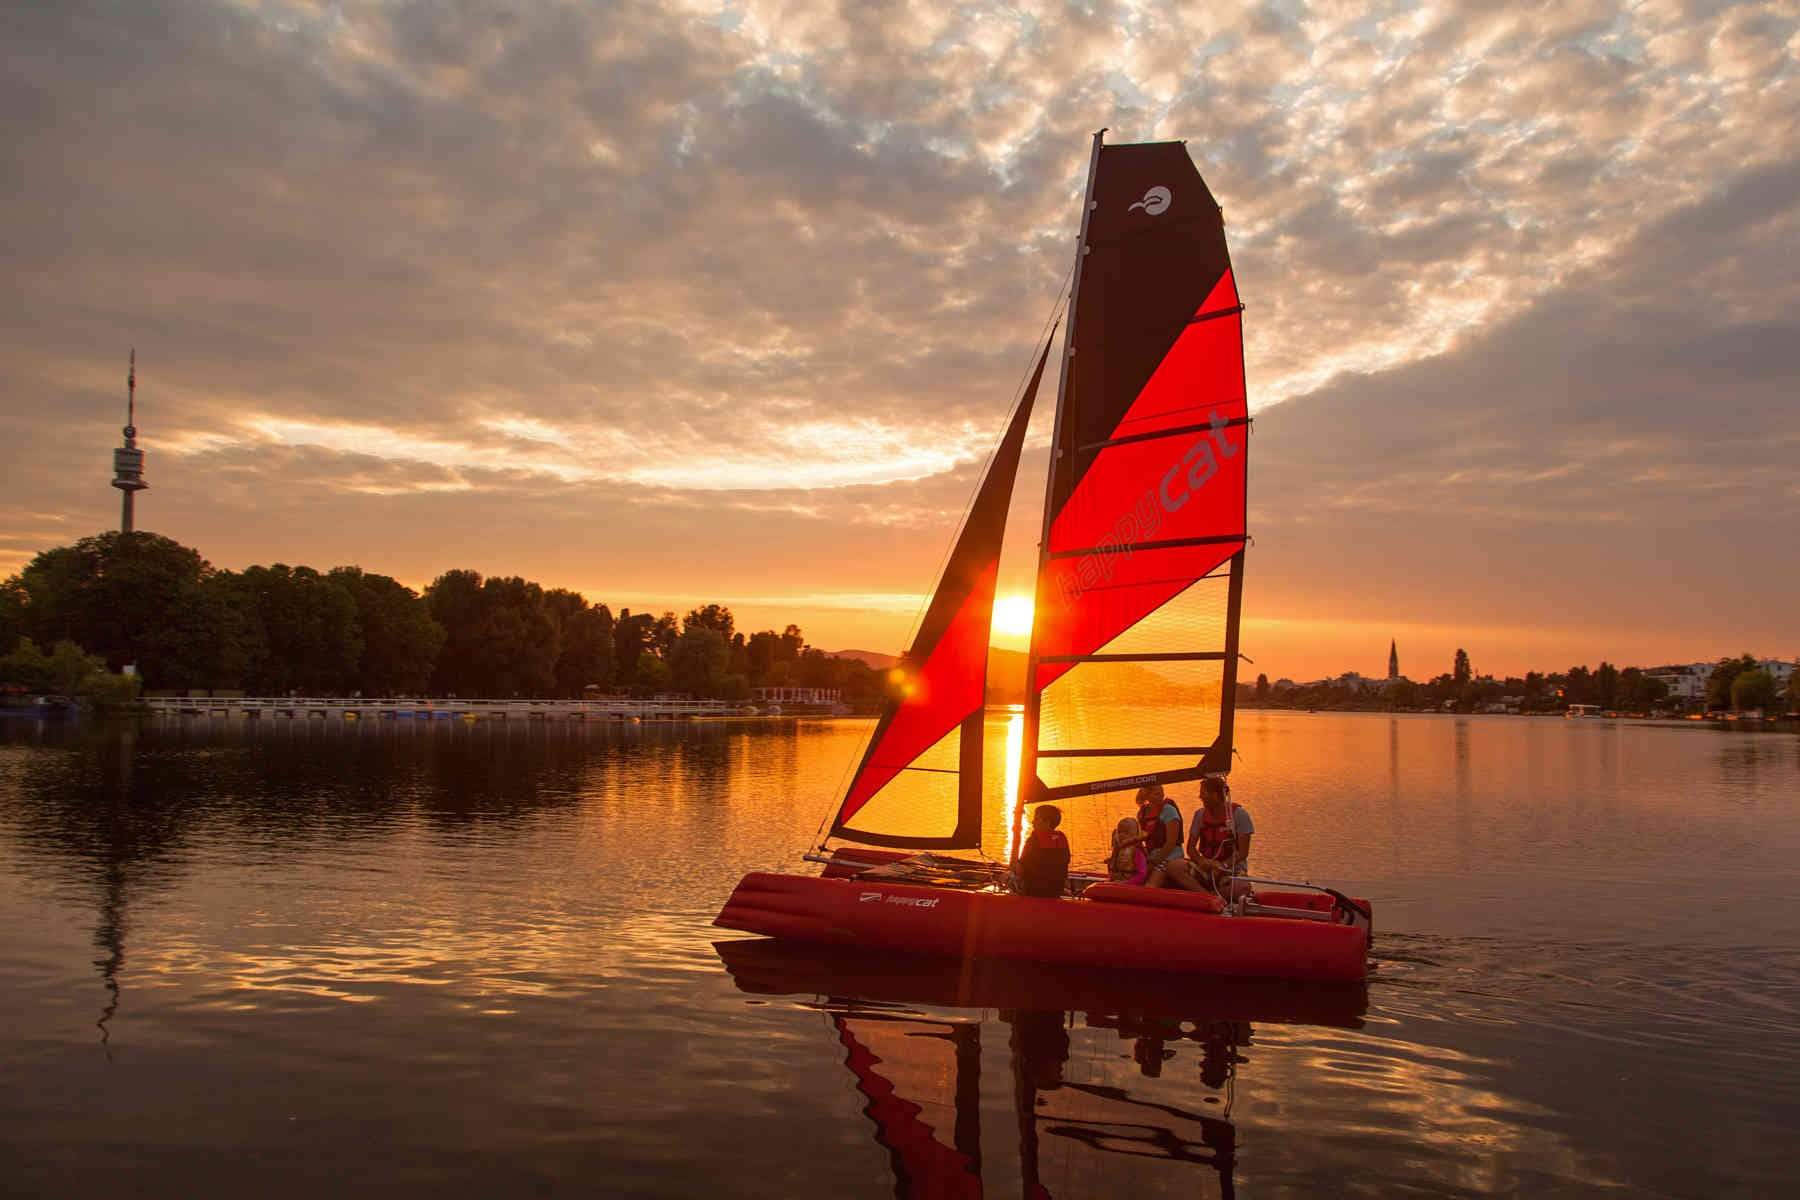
(1012, 616)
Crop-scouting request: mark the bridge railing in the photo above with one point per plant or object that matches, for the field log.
(627, 706)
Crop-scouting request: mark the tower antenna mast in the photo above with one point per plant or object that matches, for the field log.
(128, 460)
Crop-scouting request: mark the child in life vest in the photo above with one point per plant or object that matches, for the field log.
(1129, 862)
(1043, 868)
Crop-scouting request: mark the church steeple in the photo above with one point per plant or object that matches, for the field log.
(1393, 659)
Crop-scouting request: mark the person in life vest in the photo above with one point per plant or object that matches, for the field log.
(1129, 863)
(1161, 822)
(1219, 846)
(1043, 868)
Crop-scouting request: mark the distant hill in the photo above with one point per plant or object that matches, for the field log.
(1121, 683)
(869, 658)
(1126, 684)
(1006, 671)
(1006, 676)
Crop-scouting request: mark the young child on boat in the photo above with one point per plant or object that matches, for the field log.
(1043, 868)
(1129, 862)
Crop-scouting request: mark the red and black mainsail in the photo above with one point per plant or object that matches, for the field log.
(1134, 644)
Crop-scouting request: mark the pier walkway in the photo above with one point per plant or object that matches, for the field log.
(603, 708)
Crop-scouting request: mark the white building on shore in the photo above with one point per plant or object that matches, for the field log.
(1684, 682)
(1781, 669)
(1688, 682)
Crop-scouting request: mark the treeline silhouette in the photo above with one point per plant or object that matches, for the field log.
(1734, 683)
(145, 599)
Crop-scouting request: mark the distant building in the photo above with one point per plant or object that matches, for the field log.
(1781, 669)
(1684, 682)
(1360, 682)
(1688, 682)
(814, 697)
(1393, 661)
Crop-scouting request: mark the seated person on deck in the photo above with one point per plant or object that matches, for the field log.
(1129, 863)
(1219, 846)
(1043, 868)
(1161, 823)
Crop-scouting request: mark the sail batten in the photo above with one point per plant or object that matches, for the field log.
(944, 673)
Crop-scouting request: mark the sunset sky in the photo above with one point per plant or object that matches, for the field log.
(727, 301)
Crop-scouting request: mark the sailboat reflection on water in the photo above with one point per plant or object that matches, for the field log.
(911, 1034)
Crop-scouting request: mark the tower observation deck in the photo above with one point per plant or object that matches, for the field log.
(128, 460)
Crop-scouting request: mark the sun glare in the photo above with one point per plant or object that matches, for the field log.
(1012, 615)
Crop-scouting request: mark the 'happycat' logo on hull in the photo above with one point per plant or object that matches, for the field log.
(907, 901)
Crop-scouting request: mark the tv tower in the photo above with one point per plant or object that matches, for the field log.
(128, 460)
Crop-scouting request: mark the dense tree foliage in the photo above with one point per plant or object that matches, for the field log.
(144, 599)
(586, 634)
(400, 641)
(135, 598)
(311, 636)
(12, 613)
(631, 639)
(700, 662)
(66, 670)
(1754, 688)
(1718, 686)
(715, 617)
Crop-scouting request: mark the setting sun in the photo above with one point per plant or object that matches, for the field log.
(1012, 615)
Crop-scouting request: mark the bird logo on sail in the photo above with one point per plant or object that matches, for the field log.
(1155, 201)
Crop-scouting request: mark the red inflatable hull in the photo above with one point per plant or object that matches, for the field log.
(1120, 931)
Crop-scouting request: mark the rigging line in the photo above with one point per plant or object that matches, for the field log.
(1044, 331)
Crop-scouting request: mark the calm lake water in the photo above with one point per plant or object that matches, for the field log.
(291, 958)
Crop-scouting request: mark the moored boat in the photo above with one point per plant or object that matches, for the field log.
(1138, 602)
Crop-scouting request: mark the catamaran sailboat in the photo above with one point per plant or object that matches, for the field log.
(1132, 671)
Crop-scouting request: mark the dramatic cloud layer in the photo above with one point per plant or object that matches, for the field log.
(727, 300)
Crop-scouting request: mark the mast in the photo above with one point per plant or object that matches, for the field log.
(1033, 699)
